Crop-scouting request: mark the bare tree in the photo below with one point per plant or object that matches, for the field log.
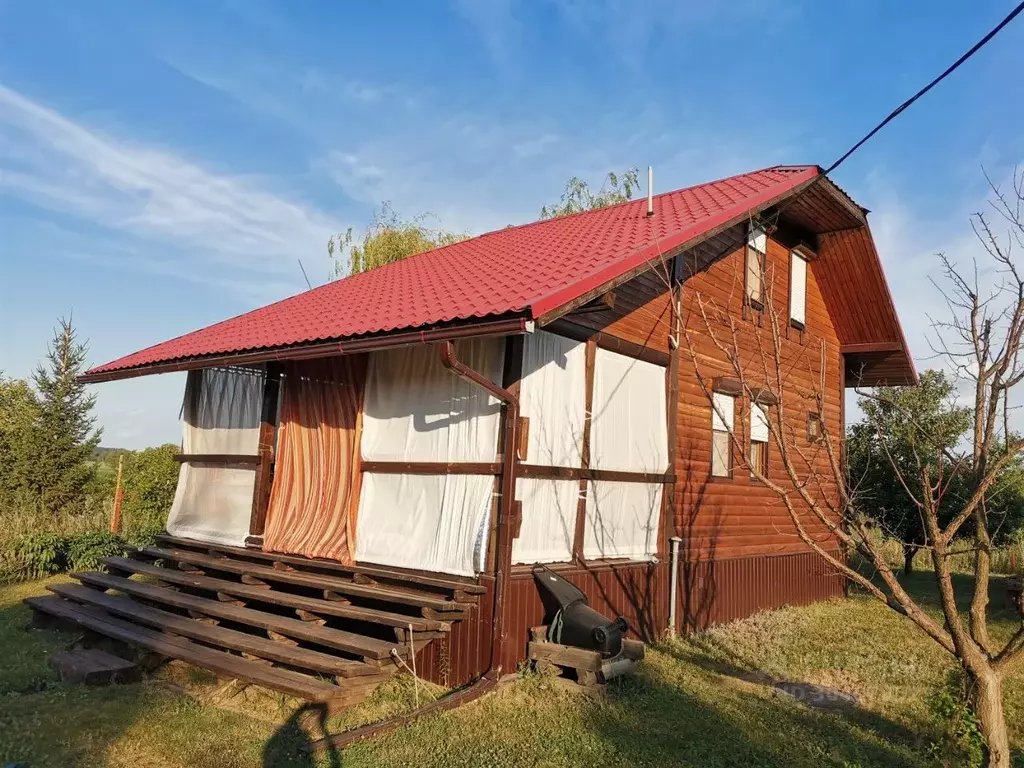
(981, 338)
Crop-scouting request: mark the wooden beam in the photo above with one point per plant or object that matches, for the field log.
(264, 470)
(238, 459)
(872, 346)
(586, 473)
(581, 505)
(431, 468)
(608, 341)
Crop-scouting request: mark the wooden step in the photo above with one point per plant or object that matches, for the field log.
(326, 583)
(219, 662)
(94, 667)
(439, 582)
(349, 642)
(126, 608)
(276, 597)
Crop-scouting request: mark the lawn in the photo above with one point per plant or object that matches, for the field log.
(702, 701)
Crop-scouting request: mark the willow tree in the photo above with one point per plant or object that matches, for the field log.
(388, 238)
(578, 196)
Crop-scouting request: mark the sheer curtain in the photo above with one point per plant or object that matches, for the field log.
(552, 395)
(221, 415)
(418, 411)
(628, 432)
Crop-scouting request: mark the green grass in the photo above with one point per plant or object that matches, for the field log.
(700, 701)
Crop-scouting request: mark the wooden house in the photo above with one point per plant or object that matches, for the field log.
(371, 469)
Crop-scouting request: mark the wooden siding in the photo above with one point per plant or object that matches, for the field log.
(738, 516)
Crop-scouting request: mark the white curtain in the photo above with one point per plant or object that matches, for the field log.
(214, 503)
(622, 520)
(426, 522)
(628, 433)
(552, 395)
(417, 410)
(549, 520)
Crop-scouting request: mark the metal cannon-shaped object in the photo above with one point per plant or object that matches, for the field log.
(571, 621)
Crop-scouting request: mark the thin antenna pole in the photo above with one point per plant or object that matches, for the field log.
(650, 190)
(304, 274)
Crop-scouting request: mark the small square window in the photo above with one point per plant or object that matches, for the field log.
(814, 432)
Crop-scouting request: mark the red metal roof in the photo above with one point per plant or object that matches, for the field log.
(529, 269)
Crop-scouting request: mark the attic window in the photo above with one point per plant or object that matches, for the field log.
(797, 290)
(757, 247)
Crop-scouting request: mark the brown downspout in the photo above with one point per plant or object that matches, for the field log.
(508, 514)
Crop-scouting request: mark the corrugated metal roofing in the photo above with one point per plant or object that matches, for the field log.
(529, 269)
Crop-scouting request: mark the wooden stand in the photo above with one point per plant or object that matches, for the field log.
(590, 667)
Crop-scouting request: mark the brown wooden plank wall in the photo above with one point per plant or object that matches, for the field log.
(468, 648)
(737, 517)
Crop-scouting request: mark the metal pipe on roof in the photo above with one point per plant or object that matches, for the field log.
(650, 190)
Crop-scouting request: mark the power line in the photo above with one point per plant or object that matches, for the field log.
(949, 70)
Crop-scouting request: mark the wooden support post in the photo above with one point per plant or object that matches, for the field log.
(115, 513)
(581, 507)
(264, 470)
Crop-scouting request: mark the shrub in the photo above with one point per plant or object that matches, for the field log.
(87, 550)
(961, 741)
(36, 555)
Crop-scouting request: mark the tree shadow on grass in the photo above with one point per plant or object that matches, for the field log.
(716, 659)
(654, 723)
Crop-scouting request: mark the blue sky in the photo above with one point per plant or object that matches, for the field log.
(164, 166)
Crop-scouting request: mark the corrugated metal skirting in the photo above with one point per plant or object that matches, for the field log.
(710, 592)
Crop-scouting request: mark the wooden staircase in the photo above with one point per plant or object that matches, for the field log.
(314, 629)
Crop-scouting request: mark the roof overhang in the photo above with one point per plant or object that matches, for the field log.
(503, 326)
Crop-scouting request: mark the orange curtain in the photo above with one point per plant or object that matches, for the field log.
(315, 494)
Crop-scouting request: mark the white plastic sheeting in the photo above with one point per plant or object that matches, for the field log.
(723, 408)
(417, 410)
(622, 520)
(552, 395)
(427, 522)
(628, 431)
(549, 520)
(214, 503)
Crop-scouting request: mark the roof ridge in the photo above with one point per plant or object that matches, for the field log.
(540, 222)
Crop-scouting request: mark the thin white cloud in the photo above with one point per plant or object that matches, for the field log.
(223, 221)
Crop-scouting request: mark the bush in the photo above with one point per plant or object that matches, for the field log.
(86, 551)
(960, 741)
(36, 555)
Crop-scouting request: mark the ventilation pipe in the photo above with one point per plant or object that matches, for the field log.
(674, 588)
(650, 190)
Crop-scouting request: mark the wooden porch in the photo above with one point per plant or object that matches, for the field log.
(314, 629)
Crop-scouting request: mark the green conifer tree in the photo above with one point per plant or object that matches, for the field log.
(65, 434)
